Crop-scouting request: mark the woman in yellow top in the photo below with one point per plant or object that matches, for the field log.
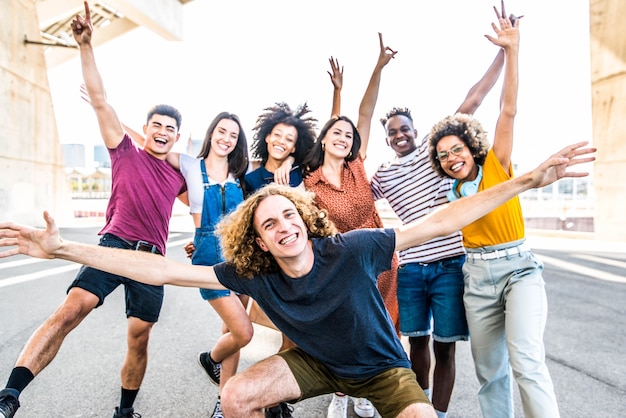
(504, 296)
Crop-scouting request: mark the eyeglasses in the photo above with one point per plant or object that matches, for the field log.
(455, 150)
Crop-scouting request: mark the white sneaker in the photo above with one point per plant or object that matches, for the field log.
(338, 407)
(363, 408)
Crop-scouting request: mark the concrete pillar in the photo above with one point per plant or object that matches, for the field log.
(31, 161)
(608, 77)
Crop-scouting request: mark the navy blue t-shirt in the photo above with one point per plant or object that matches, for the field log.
(334, 313)
(260, 177)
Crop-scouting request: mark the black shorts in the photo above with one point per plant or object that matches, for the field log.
(143, 301)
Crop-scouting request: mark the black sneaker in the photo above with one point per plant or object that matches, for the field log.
(211, 368)
(274, 412)
(286, 410)
(8, 402)
(217, 411)
(125, 413)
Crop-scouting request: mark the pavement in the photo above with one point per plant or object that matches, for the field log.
(463, 403)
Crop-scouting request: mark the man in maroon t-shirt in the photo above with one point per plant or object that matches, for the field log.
(144, 189)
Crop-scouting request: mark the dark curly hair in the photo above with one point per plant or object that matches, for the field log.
(468, 129)
(238, 235)
(282, 113)
(404, 111)
(315, 158)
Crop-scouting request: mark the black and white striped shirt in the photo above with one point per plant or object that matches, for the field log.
(413, 190)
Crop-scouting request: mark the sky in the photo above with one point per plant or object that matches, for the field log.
(242, 56)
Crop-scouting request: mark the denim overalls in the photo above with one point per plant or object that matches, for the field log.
(219, 200)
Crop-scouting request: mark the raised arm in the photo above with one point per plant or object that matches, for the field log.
(461, 212)
(479, 91)
(508, 39)
(336, 77)
(136, 136)
(110, 126)
(140, 266)
(368, 103)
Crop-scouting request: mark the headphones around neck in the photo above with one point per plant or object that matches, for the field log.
(467, 188)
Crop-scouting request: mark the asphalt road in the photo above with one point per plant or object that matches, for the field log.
(585, 339)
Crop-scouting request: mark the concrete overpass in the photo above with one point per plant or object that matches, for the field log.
(31, 161)
(36, 36)
(608, 84)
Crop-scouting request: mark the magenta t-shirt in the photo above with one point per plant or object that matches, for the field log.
(142, 196)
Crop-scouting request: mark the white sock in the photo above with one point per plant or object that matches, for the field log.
(441, 414)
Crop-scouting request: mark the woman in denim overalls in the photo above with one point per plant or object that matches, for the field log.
(214, 190)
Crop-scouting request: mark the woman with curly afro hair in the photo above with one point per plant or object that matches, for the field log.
(282, 138)
(504, 296)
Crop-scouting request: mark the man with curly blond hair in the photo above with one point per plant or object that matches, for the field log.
(281, 251)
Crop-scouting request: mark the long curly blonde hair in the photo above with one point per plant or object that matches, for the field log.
(238, 235)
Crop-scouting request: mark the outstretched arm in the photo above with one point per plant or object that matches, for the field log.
(508, 39)
(462, 212)
(110, 126)
(140, 266)
(368, 103)
(336, 77)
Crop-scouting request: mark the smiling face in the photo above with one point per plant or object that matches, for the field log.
(338, 140)
(280, 228)
(224, 137)
(461, 166)
(281, 142)
(401, 135)
(161, 134)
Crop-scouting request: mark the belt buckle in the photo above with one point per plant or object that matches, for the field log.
(145, 246)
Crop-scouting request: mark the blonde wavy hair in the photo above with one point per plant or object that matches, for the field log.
(238, 235)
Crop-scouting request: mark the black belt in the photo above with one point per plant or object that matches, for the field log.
(140, 245)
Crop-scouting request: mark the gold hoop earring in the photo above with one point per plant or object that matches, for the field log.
(349, 155)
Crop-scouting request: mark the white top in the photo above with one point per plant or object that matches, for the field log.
(190, 168)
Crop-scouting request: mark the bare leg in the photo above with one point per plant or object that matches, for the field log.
(46, 341)
(267, 382)
(136, 360)
(444, 374)
(237, 333)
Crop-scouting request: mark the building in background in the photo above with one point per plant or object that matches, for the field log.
(101, 156)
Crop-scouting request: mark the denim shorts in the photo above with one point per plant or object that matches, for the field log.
(433, 292)
(143, 301)
(207, 253)
(391, 391)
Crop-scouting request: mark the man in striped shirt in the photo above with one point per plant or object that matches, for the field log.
(430, 277)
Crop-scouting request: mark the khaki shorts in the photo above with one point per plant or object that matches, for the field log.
(390, 391)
